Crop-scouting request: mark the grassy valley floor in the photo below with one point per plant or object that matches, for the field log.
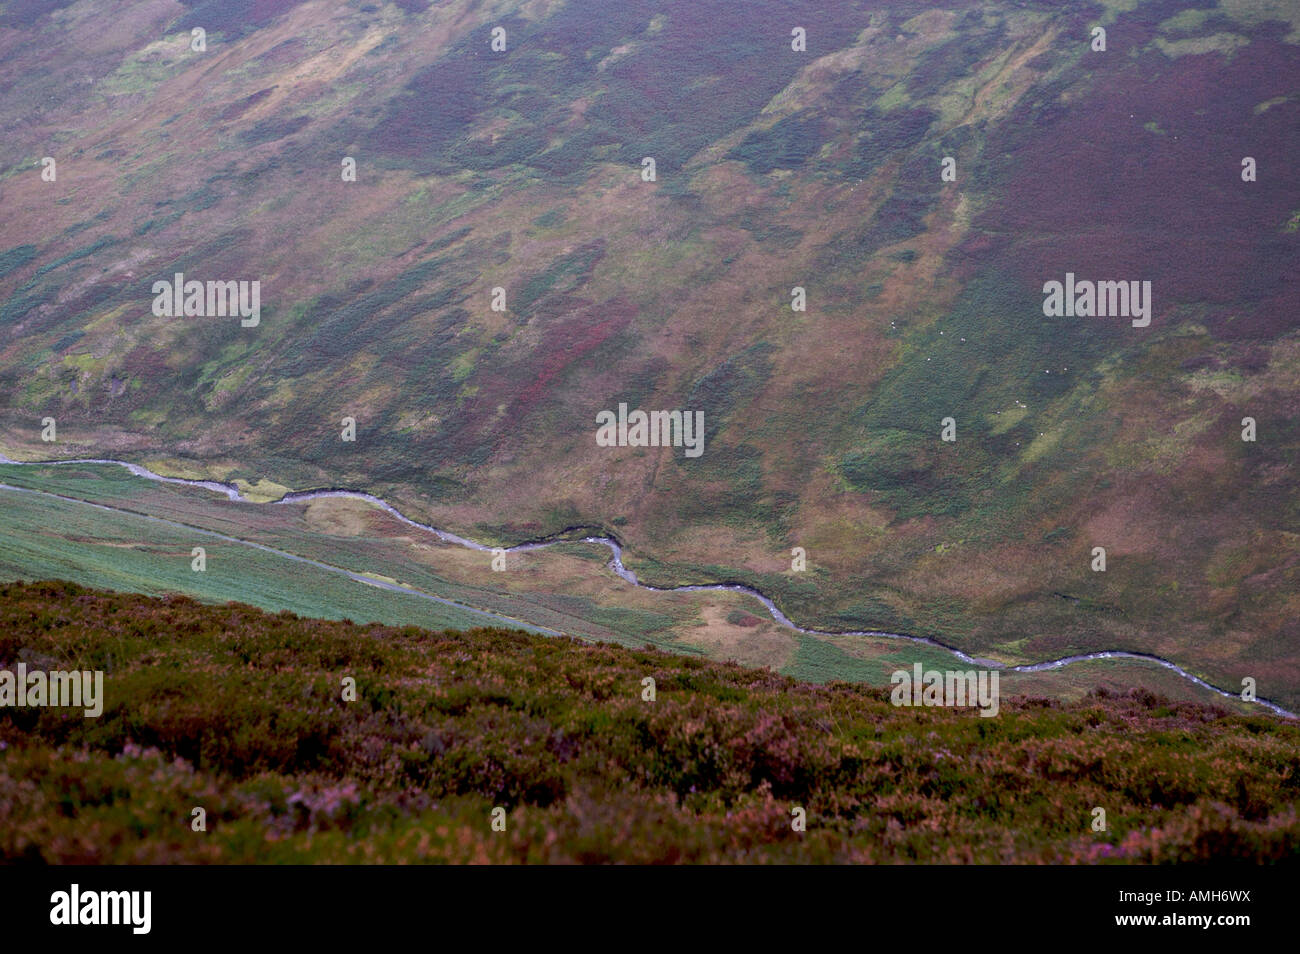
(99, 526)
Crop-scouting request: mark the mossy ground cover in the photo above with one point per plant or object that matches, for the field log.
(240, 712)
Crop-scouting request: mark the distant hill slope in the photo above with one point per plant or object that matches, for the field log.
(241, 713)
(775, 168)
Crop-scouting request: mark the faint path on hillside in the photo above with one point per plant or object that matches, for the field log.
(491, 617)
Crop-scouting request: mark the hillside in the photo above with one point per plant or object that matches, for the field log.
(241, 713)
(522, 170)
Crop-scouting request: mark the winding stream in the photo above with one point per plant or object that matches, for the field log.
(616, 564)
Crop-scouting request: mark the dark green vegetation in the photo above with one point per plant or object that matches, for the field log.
(240, 712)
(521, 170)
